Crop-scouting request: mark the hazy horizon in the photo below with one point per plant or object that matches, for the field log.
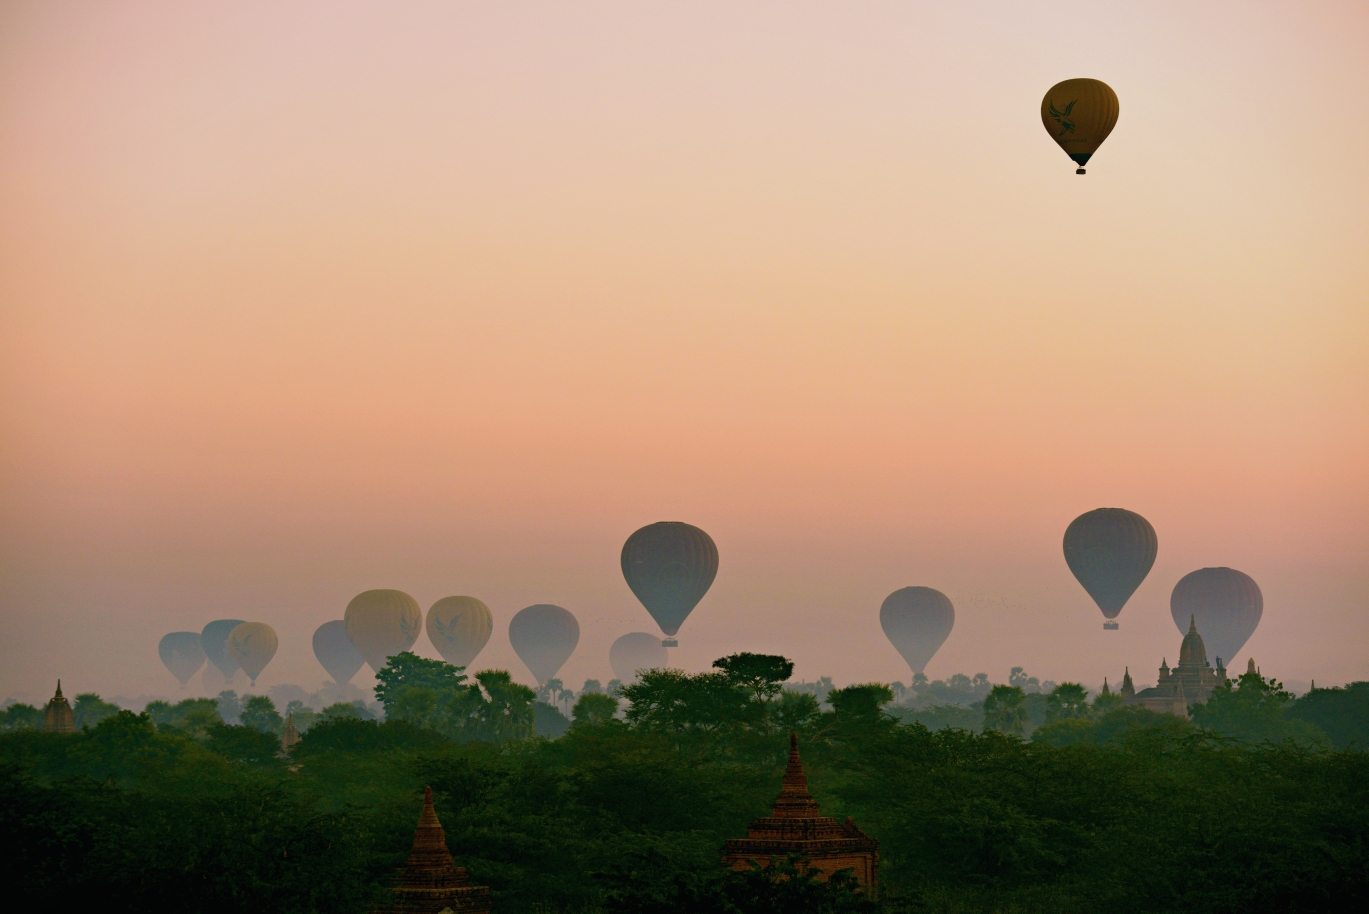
(299, 302)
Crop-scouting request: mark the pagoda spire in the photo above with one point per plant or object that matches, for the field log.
(431, 883)
(57, 715)
(291, 734)
(1192, 624)
(1128, 689)
(794, 801)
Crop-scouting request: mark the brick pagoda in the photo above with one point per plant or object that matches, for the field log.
(431, 884)
(57, 716)
(796, 826)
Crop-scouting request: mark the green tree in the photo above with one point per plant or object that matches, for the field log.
(230, 706)
(1005, 710)
(795, 712)
(259, 712)
(594, 708)
(762, 675)
(1342, 714)
(858, 710)
(20, 716)
(1067, 701)
(353, 709)
(407, 670)
(506, 710)
(90, 709)
(673, 701)
(1252, 710)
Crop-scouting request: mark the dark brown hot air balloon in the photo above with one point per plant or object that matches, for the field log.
(670, 566)
(544, 636)
(1226, 605)
(1079, 114)
(1110, 552)
(917, 621)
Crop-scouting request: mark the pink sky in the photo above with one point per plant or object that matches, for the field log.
(300, 300)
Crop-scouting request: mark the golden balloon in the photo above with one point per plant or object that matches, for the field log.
(252, 645)
(459, 627)
(382, 623)
(1079, 114)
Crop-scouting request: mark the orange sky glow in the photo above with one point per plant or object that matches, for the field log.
(298, 300)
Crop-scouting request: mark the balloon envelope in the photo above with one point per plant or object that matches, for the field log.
(335, 652)
(182, 655)
(1225, 603)
(459, 627)
(1079, 114)
(544, 636)
(633, 652)
(1111, 551)
(917, 621)
(252, 645)
(670, 566)
(382, 623)
(214, 643)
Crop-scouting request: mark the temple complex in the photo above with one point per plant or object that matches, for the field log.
(795, 826)
(57, 716)
(291, 735)
(431, 884)
(1191, 682)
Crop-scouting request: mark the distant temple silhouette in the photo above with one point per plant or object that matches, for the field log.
(57, 716)
(1191, 682)
(796, 826)
(431, 884)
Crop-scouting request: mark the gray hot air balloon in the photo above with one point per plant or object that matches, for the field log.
(335, 652)
(1110, 551)
(669, 566)
(544, 636)
(917, 621)
(633, 652)
(1226, 605)
(214, 641)
(182, 654)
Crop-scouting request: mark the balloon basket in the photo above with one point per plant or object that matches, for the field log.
(669, 642)
(1079, 171)
(1110, 626)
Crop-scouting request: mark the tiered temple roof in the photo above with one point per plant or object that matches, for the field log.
(796, 826)
(431, 884)
(1192, 681)
(57, 716)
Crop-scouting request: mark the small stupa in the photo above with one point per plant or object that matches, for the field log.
(57, 716)
(291, 735)
(796, 826)
(431, 884)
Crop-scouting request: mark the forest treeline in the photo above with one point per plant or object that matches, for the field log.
(1260, 803)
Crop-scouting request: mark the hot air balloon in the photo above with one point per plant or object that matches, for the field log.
(670, 566)
(252, 645)
(633, 652)
(1079, 114)
(182, 654)
(214, 642)
(544, 637)
(1110, 552)
(459, 627)
(382, 623)
(335, 652)
(1225, 603)
(917, 621)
